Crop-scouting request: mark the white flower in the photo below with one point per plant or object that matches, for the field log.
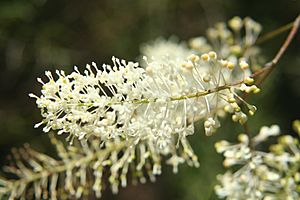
(151, 109)
(160, 49)
(157, 103)
(266, 132)
(257, 174)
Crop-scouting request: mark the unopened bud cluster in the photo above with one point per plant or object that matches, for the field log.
(232, 41)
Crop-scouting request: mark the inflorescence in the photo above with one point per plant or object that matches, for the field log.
(257, 174)
(129, 117)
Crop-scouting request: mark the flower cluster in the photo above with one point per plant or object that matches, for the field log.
(258, 174)
(162, 49)
(39, 176)
(233, 40)
(151, 109)
(156, 103)
(129, 117)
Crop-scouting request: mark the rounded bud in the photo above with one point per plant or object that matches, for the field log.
(235, 118)
(207, 78)
(231, 100)
(188, 65)
(256, 90)
(230, 65)
(212, 55)
(193, 58)
(243, 138)
(244, 65)
(236, 23)
(249, 80)
(205, 57)
(228, 108)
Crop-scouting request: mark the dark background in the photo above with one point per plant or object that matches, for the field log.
(39, 35)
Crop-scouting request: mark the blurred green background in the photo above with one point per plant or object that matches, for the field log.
(39, 35)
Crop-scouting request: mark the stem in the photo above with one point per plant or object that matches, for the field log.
(63, 166)
(274, 33)
(270, 65)
(265, 72)
(247, 132)
(174, 98)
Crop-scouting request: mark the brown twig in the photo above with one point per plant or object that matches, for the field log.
(247, 132)
(246, 129)
(274, 33)
(264, 72)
